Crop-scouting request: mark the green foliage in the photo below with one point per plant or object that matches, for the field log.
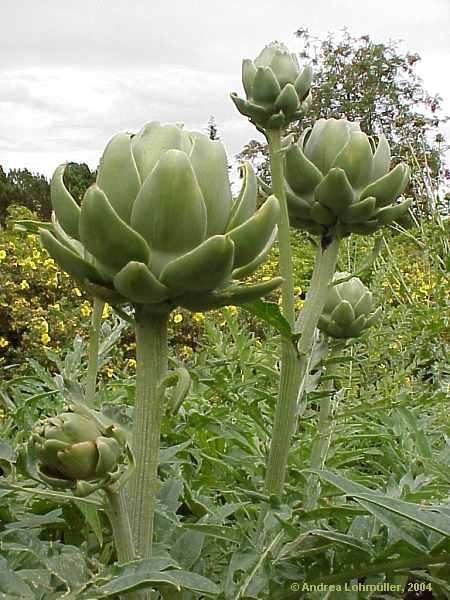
(32, 190)
(21, 187)
(366, 497)
(78, 177)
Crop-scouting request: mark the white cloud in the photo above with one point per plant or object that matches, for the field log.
(72, 74)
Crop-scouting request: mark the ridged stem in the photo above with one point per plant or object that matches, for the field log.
(151, 367)
(284, 242)
(117, 512)
(94, 340)
(294, 367)
(288, 388)
(293, 361)
(118, 517)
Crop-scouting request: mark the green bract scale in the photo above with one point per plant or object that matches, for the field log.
(74, 450)
(160, 228)
(276, 88)
(349, 309)
(338, 182)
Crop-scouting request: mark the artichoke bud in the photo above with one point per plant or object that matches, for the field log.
(338, 180)
(348, 309)
(74, 450)
(274, 85)
(159, 224)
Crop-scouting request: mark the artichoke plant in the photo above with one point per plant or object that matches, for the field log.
(338, 182)
(276, 87)
(160, 228)
(74, 450)
(349, 309)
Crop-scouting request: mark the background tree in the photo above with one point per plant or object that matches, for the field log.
(78, 177)
(21, 187)
(377, 85)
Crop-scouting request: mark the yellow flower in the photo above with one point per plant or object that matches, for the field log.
(45, 339)
(76, 291)
(3, 342)
(131, 363)
(36, 254)
(178, 318)
(109, 372)
(232, 309)
(198, 317)
(86, 309)
(24, 285)
(186, 351)
(61, 326)
(2, 254)
(44, 326)
(106, 311)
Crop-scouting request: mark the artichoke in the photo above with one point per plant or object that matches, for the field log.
(74, 450)
(159, 227)
(348, 309)
(338, 182)
(276, 87)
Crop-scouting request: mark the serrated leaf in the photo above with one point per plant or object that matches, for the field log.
(434, 520)
(341, 538)
(142, 579)
(166, 454)
(217, 531)
(271, 314)
(91, 514)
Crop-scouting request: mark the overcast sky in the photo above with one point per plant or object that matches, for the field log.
(75, 72)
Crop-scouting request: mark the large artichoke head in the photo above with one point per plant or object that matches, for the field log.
(277, 88)
(349, 308)
(160, 228)
(74, 450)
(338, 182)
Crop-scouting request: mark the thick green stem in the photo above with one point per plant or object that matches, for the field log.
(118, 516)
(284, 243)
(287, 398)
(117, 512)
(94, 338)
(151, 358)
(294, 365)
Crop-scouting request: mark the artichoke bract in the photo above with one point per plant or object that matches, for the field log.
(277, 89)
(160, 228)
(73, 450)
(349, 309)
(338, 182)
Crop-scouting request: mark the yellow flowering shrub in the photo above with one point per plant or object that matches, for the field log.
(38, 306)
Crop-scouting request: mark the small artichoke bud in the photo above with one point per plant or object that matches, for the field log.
(160, 227)
(348, 309)
(74, 450)
(276, 88)
(338, 182)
